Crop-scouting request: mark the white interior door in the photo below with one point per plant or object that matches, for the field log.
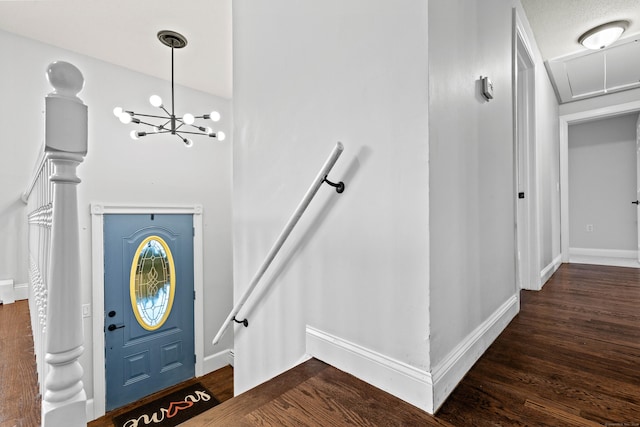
(524, 147)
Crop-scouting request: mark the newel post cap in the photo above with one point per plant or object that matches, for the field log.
(65, 114)
(66, 79)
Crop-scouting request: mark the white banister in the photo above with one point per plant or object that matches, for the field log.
(302, 206)
(54, 246)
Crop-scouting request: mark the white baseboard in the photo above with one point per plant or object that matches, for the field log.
(548, 271)
(7, 293)
(21, 291)
(604, 253)
(613, 257)
(408, 383)
(217, 361)
(448, 373)
(90, 414)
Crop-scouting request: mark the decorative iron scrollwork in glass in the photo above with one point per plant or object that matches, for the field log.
(152, 283)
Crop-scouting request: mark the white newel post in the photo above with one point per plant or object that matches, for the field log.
(64, 399)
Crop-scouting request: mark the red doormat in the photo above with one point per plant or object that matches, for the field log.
(170, 410)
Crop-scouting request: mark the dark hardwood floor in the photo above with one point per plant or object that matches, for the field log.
(19, 392)
(570, 358)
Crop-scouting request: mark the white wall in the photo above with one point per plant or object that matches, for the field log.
(116, 169)
(602, 184)
(308, 74)
(471, 168)
(358, 269)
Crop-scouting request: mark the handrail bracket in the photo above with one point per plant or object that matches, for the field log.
(339, 186)
(245, 322)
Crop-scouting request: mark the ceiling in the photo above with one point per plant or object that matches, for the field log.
(576, 72)
(123, 32)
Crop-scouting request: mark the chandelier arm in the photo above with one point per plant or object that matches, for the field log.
(158, 132)
(148, 115)
(192, 133)
(149, 124)
(164, 125)
(200, 128)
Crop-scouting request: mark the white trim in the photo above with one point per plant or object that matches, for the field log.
(216, 361)
(612, 257)
(448, 373)
(7, 294)
(604, 253)
(548, 271)
(565, 121)
(21, 291)
(98, 210)
(90, 410)
(10, 292)
(420, 388)
(407, 382)
(564, 188)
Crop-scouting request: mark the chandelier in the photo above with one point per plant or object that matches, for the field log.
(169, 123)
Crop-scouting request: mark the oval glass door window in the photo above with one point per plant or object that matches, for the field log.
(152, 283)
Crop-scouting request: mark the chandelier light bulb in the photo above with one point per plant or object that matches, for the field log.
(117, 111)
(134, 135)
(214, 116)
(221, 136)
(208, 130)
(126, 118)
(155, 101)
(188, 142)
(188, 119)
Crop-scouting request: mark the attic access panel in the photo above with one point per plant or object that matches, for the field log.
(623, 66)
(593, 73)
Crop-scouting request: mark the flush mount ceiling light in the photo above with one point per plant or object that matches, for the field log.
(169, 123)
(603, 35)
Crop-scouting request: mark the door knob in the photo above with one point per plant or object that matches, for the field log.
(636, 202)
(113, 327)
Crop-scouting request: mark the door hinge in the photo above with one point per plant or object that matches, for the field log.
(194, 358)
(194, 295)
(194, 231)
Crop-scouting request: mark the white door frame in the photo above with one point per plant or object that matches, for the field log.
(638, 186)
(565, 121)
(527, 256)
(98, 210)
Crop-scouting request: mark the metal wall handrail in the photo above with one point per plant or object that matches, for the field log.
(302, 206)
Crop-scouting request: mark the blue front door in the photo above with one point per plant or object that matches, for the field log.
(148, 304)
